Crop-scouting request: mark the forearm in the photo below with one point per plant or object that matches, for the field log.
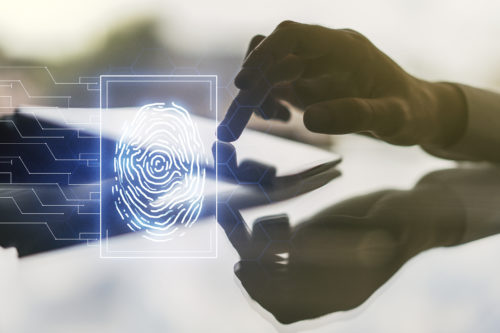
(469, 123)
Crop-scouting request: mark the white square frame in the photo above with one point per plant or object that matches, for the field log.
(103, 96)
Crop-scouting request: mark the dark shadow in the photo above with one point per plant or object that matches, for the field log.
(338, 258)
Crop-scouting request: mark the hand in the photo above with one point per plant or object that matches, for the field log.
(345, 85)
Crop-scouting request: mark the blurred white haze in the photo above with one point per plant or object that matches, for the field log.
(454, 40)
(445, 40)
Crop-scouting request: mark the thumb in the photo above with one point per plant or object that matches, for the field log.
(383, 116)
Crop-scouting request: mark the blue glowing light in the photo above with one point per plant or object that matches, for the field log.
(159, 172)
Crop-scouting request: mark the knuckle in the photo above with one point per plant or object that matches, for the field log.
(354, 33)
(286, 24)
(357, 36)
(257, 38)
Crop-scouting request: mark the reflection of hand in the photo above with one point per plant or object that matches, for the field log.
(344, 84)
(338, 258)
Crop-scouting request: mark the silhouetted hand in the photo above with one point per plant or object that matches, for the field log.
(338, 258)
(345, 85)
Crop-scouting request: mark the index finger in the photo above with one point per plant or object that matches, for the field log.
(232, 125)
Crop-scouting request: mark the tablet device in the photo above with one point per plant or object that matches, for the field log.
(292, 162)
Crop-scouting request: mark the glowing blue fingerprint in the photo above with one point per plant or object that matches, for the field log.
(159, 168)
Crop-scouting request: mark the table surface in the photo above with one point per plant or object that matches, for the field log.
(452, 289)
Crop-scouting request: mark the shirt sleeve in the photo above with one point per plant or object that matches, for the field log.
(481, 138)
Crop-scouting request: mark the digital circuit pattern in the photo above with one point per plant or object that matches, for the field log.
(49, 173)
(159, 169)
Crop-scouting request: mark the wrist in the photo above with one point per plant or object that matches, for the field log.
(450, 113)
